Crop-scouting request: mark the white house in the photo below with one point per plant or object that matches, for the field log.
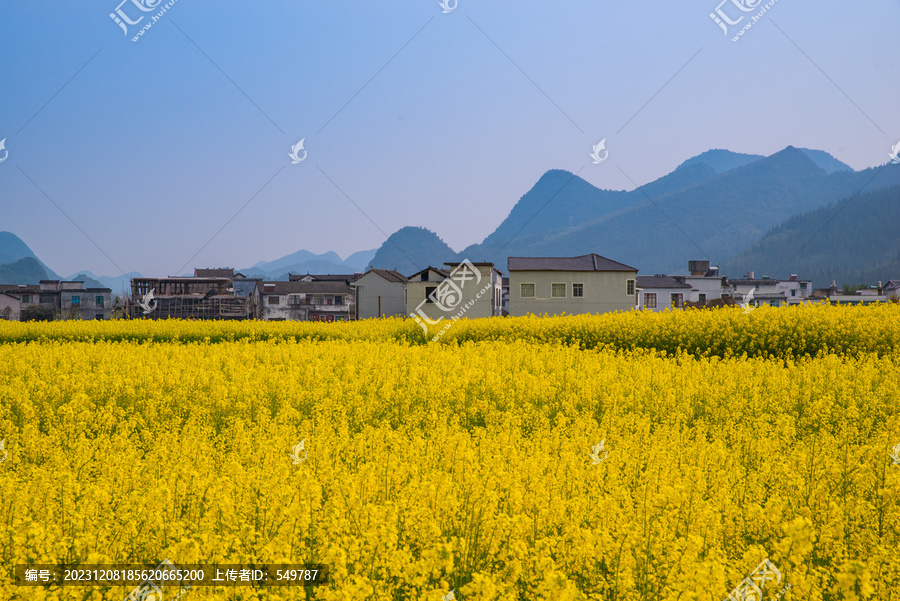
(380, 293)
(661, 292)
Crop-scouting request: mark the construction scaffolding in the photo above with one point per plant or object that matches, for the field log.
(186, 298)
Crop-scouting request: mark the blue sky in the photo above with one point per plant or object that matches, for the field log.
(172, 152)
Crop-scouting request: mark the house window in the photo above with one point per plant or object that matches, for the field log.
(677, 300)
(294, 299)
(629, 287)
(76, 300)
(26, 298)
(429, 290)
(318, 300)
(558, 290)
(802, 285)
(793, 293)
(527, 291)
(756, 287)
(577, 290)
(649, 300)
(99, 317)
(98, 300)
(702, 298)
(47, 299)
(774, 303)
(274, 300)
(339, 300)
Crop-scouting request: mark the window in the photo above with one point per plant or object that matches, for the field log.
(577, 290)
(294, 299)
(793, 293)
(98, 300)
(774, 303)
(429, 290)
(558, 290)
(702, 298)
(802, 285)
(677, 299)
(527, 291)
(76, 300)
(629, 287)
(47, 299)
(649, 300)
(274, 300)
(318, 299)
(99, 317)
(26, 298)
(339, 300)
(756, 287)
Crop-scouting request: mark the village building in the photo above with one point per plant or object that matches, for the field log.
(307, 301)
(571, 285)
(660, 292)
(380, 293)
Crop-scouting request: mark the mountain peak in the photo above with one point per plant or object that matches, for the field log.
(721, 160)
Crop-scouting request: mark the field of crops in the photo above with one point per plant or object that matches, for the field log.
(466, 464)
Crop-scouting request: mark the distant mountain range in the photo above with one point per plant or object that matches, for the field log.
(740, 211)
(19, 265)
(714, 206)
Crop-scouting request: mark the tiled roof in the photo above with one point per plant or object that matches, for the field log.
(214, 273)
(390, 275)
(591, 262)
(444, 272)
(659, 281)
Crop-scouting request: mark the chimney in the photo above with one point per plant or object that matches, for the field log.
(750, 275)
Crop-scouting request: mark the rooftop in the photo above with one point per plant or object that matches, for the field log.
(591, 262)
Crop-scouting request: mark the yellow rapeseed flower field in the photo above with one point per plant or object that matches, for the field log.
(470, 465)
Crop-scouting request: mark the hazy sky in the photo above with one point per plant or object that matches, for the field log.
(411, 116)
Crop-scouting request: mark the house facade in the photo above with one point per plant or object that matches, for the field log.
(307, 301)
(705, 283)
(772, 292)
(661, 292)
(10, 307)
(380, 293)
(60, 299)
(462, 289)
(571, 285)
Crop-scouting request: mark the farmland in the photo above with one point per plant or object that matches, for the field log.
(466, 464)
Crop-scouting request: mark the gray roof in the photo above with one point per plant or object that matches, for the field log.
(439, 270)
(306, 288)
(329, 277)
(659, 281)
(219, 272)
(591, 262)
(389, 274)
